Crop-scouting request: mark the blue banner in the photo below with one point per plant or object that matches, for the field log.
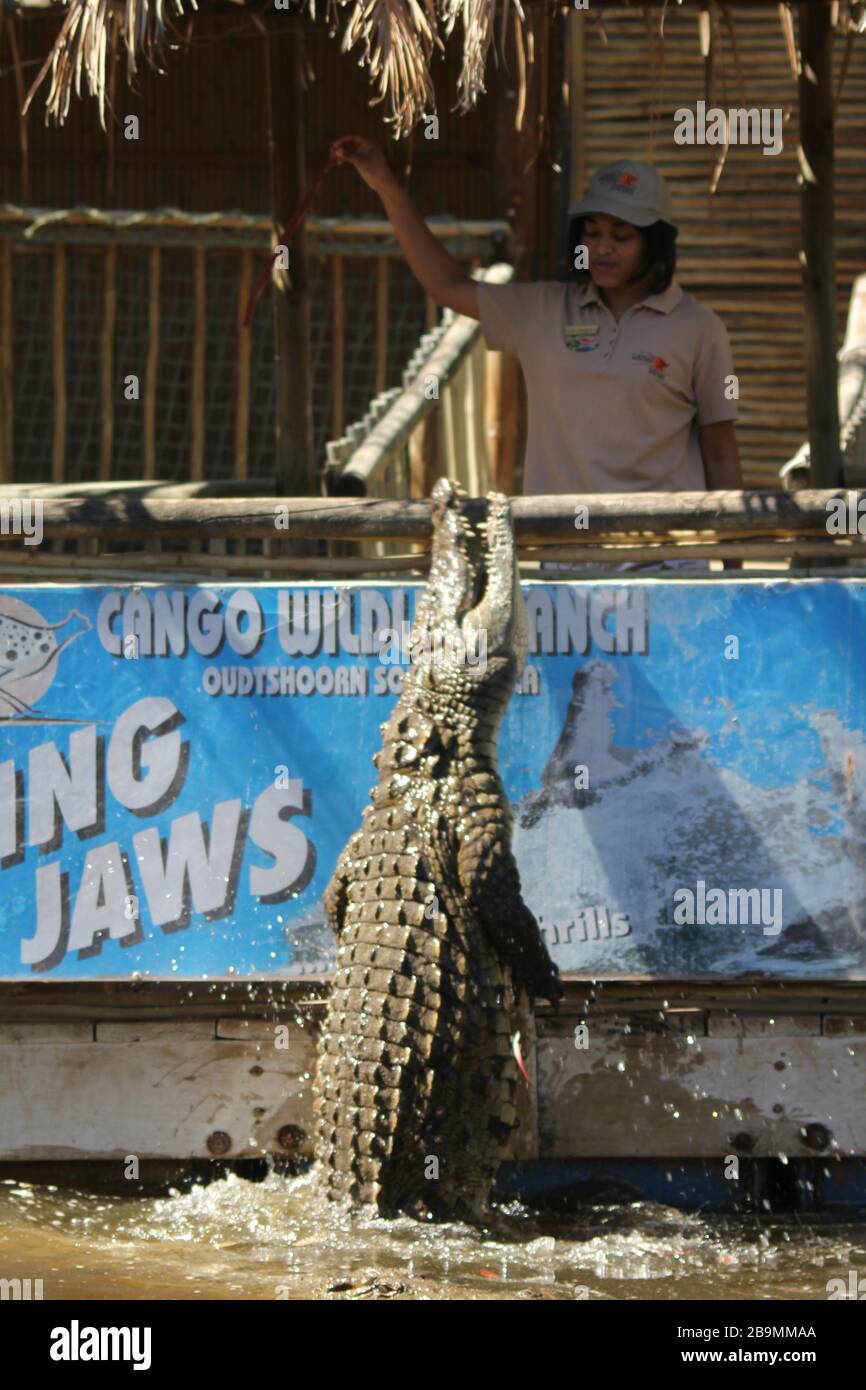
(180, 767)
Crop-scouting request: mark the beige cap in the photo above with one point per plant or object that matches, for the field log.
(629, 190)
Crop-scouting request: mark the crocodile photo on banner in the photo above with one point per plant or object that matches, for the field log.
(180, 766)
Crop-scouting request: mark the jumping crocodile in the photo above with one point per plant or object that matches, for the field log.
(417, 1071)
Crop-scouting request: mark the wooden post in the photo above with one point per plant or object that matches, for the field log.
(154, 271)
(196, 471)
(576, 106)
(448, 432)
(6, 358)
(58, 364)
(517, 199)
(423, 454)
(460, 464)
(518, 140)
(23, 138)
(476, 422)
(818, 253)
(338, 356)
(381, 322)
(113, 120)
(546, 239)
(500, 424)
(296, 466)
(106, 364)
(242, 399)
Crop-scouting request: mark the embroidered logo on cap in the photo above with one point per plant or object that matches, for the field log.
(624, 182)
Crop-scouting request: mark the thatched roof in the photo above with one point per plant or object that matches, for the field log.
(398, 39)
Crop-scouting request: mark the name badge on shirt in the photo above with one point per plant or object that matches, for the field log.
(581, 337)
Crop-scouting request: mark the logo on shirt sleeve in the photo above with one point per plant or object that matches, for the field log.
(581, 337)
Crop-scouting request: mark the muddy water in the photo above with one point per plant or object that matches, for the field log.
(278, 1239)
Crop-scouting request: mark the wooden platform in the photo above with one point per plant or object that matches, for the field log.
(90, 1074)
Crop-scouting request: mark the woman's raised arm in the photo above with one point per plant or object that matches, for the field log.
(438, 272)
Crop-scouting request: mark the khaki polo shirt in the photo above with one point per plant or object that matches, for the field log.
(613, 406)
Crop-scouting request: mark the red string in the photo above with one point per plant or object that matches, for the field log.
(288, 232)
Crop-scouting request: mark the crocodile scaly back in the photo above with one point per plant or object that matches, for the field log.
(416, 1081)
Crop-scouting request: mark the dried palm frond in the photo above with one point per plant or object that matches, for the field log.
(398, 37)
(479, 17)
(786, 19)
(520, 52)
(718, 49)
(89, 33)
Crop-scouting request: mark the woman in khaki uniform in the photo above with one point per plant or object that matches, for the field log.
(630, 380)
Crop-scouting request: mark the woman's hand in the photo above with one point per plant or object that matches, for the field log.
(368, 159)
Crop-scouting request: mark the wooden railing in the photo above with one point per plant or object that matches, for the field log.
(79, 303)
(454, 417)
(180, 536)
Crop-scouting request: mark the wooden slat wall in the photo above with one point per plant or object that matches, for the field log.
(737, 249)
(202, 142)
(202, 146)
